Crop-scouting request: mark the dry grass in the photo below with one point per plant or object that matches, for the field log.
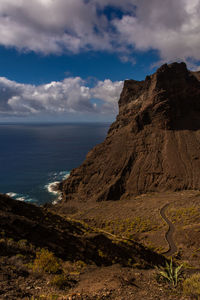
(185, 215)
(191, 286)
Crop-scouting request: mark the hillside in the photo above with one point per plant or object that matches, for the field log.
(27, 229)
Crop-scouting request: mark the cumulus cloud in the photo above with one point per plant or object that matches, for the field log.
(108, 91)
(68, 96)
(171, 28)
(50, 26)
(57, 26)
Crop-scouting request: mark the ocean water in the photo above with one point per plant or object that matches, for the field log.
(33, 157)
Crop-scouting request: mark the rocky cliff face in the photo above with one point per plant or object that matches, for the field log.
(154, 144)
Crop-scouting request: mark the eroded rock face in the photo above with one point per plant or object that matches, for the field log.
(154, 144)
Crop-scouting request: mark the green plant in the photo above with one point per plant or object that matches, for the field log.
(191, 286)
(60, 281)
(45, 261)
(80, 265)
(170, 273)
(23, 245)
(187, 215)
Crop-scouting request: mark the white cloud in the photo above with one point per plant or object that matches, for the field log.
(68, 96)
(108, 91)
(52, 26)
(171, 28)
(57, 26)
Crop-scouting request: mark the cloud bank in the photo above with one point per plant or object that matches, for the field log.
(60, 26)
(71, 95)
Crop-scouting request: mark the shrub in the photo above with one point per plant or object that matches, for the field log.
(170, 273)
(191, 285)
(45, 261)
(80, 265)
(60, 281)
(10, 242)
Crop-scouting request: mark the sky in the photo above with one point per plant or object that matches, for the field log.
(66, 60)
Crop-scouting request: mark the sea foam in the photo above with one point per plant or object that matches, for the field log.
(53, 187)
(20, 198)
(11, 194)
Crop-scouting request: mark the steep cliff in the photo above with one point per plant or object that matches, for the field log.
(154, 144)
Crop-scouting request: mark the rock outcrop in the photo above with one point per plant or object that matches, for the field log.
(154, 144)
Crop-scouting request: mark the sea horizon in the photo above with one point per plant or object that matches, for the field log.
(45, 153)
(55, 122)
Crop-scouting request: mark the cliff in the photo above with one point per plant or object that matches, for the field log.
(154, 144)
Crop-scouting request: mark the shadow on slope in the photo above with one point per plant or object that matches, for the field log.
(68, 239)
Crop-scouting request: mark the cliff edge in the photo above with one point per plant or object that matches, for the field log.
(154, 144)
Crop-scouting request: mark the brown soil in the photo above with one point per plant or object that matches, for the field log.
(26, 228)
(151, 229)
(102, 278)
(108, 279)
(111, 282)
(182, 209)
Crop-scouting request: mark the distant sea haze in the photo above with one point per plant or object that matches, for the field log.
(34, 157)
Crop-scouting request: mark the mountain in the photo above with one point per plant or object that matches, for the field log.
(154, 144)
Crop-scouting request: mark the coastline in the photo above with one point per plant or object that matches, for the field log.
(55, 189)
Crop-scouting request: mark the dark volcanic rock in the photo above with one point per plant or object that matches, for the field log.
(154, 144)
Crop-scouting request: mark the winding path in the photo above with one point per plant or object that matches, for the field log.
(169, 233)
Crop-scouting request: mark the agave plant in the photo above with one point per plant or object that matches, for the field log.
(171, 273)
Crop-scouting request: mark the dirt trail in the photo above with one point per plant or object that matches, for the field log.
(169, 233)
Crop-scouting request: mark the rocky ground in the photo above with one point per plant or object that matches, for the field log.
(96, 252)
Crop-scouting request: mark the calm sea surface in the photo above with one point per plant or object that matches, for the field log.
(34, 156)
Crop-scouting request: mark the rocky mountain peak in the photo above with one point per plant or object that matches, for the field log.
(154, 144)
(168, 99)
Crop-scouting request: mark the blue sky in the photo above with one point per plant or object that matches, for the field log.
(67, 60)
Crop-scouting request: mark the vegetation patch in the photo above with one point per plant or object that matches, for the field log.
(170, 273)
(191, 286)
(127, 227)
(185, 215)
(46, 262)
(60, 281)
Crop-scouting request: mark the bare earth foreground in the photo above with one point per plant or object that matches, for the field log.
(140, 218)
(95, 270)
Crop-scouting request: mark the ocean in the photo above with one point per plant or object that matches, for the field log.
(33, 157)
